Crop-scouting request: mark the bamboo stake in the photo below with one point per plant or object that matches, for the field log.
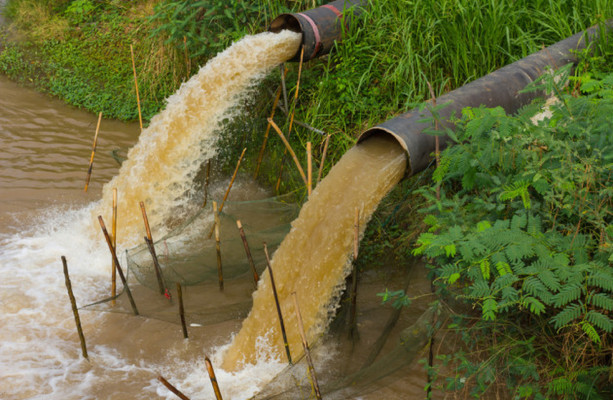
(289, 148)
(149, 241)
(323, 159)
(241, 231)
(114, 231)
(274, 292)
(354, 281)
(181, 310)
(156, 265)
(140, 116)
(283, 70)
(91, 159)
(119, 270)
(75, 310)
(206, 183)
(172, 388)
(218, 246)
(238, 164)
(309, 169)
(305, 345)
(291, 121)
(229, 186)
(211, 371)
(272, 114)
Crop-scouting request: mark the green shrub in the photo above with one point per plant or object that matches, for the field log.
(522, 233)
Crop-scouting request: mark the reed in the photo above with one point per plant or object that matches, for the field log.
(156, 265)
(181, 310)
(117, 266)
(283, 70)
(305, 345)
(289, 148)
(225, 196)
(265, 141)
(323, 158)
(218, 245)
(140, 115)
(241, 231)
(114, 231)
(173, 389)
(309, 169)
(91, 159)
(213, 378)
(291, 120)
(279, 313)
(75, 310)
(149, 241)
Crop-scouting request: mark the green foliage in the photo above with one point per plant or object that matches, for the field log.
(527, 237)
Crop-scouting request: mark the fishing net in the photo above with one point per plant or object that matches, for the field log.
(187, 255)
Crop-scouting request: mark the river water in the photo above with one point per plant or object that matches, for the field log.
(44, 214)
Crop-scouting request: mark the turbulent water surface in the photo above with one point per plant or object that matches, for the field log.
(44, 214)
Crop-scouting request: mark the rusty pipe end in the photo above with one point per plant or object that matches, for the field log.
(321, 27)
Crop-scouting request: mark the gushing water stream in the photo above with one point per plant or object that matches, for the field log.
(45, 214)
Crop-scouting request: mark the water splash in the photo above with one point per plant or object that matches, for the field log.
(313, 259)
(161, 167)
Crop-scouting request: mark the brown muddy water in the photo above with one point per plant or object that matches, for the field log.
(44, 213)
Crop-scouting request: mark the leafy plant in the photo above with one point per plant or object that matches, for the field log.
(522, 232)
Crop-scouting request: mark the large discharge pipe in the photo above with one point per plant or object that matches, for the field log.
(500, 88)
(320, 27)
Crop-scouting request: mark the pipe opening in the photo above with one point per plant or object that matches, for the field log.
(285, 21)
(382, 132)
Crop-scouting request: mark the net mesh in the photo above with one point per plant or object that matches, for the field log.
(187, 255)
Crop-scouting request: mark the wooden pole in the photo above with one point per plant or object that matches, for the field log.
(274, 292)
(172, 388)
(119, 270)
(206, 183)
(238, 164)
(75, 311)
(323, 159)
(241, 231)
(181, 310)
(114, 231)
(305, 345)
(156, 265)
(354, 280)
(140, 116)
(309, 169)
(149, 241)
(211, 371)
(229, 186)
(289, 148)
(218, 245)
(91, 159)
(272, 114)
(283, 70)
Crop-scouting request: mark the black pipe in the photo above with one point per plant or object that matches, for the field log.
(499, 88)
(320, 27)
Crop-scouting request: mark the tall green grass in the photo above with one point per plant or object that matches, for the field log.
(382, 66)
